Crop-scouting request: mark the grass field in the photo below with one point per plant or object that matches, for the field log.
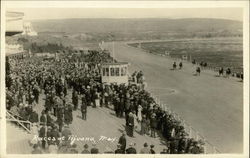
(217, 52)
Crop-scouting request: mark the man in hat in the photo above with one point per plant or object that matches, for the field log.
(145, 149)
(84, 107)
(66, 132)
(119, 150)
(55, 135)
(123, 141)
(195, 149)
(49, 118)
(60, 121)
(85, 151)
(36, 93)
(73, 149)
(182, 143)
(153, 124)
(143, 125)
(75, 99)
(131, 149)
(174, 143)
(43, 118)
(67, 115)
(152, 149)
(42, 134)
(94, 150)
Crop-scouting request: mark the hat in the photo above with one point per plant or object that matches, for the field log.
(74, 145)
(145, 145)
(123, 132)
(151, 146)
(85, 146)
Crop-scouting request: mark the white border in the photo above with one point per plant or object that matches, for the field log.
(131, 4)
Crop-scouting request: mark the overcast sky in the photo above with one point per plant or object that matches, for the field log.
(65, 13)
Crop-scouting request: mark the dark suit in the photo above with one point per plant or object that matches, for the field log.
(131, 150)
(42, 134)
(122, 141)
(33, 117)
(130, 126)
(94, 151)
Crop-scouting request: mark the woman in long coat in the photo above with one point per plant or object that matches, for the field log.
(130, 126)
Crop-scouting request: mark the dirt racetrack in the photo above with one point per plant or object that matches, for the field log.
(211, 105)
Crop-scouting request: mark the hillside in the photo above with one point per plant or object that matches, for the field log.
(136, 25)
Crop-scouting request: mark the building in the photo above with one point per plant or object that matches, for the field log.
(28, 29)
(114, 73)
(14, 23)
(14, 26)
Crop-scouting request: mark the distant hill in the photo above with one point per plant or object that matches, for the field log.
(137, 25)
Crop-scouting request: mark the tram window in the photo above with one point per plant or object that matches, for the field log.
(125, 71)
(117, 72)
(103, 71)
(112, 70)
(107, 71)
(122, 71)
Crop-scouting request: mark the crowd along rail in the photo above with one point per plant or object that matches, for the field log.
(192, 133)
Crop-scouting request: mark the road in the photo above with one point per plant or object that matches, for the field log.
(211, 105)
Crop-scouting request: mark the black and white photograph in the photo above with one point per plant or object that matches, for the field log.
(146, 78)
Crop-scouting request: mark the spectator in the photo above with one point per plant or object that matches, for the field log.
(94, 150)
(152, 149)
(131, 149)
(123, 142)
(145, 149)
(85, 151)
(119, 150)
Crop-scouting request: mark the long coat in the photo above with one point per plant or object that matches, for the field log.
(123, 142)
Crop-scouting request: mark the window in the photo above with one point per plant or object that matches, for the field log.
(122, 71)
(103, 71)
(112, 70)
(125, 71)
(107, 71)
(117, 71)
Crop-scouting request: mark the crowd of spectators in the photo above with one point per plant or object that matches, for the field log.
(27, 79)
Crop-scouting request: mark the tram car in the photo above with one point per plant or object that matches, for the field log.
(116, 73)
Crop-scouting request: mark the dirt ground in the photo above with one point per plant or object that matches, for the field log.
(211, 105)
